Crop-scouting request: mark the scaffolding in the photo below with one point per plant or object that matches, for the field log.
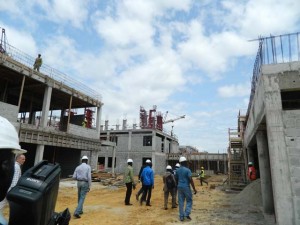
(236, 160)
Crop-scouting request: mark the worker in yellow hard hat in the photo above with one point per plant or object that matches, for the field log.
(202, 176)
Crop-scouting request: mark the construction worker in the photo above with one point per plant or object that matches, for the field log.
(84, 122)
(147, 177)
(38, 63)
(83, 176)
(202, 176)
(174, 172)
(184, 181)
(251, 172)
(9, 146)
(139, 176)
(169, 187)
(129, 181)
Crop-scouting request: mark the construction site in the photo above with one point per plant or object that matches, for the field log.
(59, 120)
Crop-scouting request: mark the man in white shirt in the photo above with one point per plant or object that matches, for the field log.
(83, 176)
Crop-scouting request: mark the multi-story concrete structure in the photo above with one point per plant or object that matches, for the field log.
(139, 145)
(272, 133)
(43, 105)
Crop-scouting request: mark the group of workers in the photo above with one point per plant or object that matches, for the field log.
(177, 182)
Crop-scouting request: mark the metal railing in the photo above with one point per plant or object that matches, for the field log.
(273, 50)
(28, 60)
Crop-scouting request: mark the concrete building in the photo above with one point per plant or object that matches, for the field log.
(272, 134)
(139, 145)
(48, 108)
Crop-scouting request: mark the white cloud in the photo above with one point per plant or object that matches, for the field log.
(238, 90)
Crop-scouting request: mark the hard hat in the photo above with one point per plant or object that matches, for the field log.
(84, 157)
(177, 165)
(169, 167)
(148, 161)
(129, 161)
(250, 163)
(9, 137)
(202, 167)
(182, 159)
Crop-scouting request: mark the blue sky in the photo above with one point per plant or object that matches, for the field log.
(187, 57)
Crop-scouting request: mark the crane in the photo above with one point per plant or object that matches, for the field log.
(172, 120)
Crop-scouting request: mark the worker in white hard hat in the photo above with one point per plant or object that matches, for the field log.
(148, 183)
(83, 176)
(9, 146)
(129, 181)
(169, 187)
(184, 181)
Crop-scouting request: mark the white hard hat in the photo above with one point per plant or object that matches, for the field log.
(148, 161)
(9, 137)
(129, 161)
(84, 157)
(177, 165)
(250, 163)
(169, 167)
(182, 159)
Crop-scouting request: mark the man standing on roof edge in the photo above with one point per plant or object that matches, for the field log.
(83, 176)
(129, 181)
(184, 180)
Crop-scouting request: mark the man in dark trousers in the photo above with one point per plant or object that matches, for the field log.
(148, 183)
(141, 189)
(184, 181)
(83, 176)
(169, 187)
(129, 181)
(202, 176)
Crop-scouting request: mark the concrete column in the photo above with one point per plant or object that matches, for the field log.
(98, 120)
(129, 140)
(106, 163)
(46, 105)
(154, 141)
(113, 161)
(39, 154)
(265, 172)
(165, 145)
(250, 154)
(218, 165)
(278, 153)
(45, 112)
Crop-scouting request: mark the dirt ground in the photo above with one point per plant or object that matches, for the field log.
(211, 206)
(105, 205)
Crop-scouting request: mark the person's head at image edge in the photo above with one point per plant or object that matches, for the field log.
(9, 146)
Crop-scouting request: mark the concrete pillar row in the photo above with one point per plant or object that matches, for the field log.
(265, 172)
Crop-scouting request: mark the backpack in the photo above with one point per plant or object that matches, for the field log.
(170, 182)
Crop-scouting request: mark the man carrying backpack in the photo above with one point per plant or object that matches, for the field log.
(169, 187)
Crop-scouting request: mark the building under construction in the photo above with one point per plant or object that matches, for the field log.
(270, 134)
(58, 119)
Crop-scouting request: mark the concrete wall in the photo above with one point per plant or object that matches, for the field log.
(9, 111)
(283, 137)
(82, 131)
